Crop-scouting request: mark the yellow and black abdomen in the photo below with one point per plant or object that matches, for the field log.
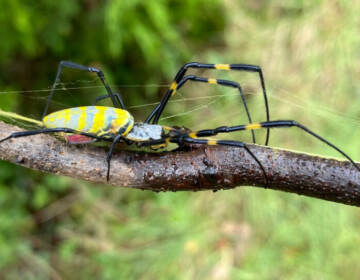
(97, 120)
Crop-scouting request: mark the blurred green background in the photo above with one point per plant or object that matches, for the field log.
(54, 227)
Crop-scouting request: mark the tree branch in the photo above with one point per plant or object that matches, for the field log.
(202, 168)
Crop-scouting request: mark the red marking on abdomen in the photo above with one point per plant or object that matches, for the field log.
(79, 139)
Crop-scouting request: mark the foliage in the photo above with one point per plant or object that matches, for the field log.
(141, 36)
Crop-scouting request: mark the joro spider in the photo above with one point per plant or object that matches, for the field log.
(92, 123)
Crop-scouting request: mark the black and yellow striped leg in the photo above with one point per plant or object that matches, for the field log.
(225, 83)
(238, 144)
(181, 73)
(267, 125)
(69, 64)
(178, 77)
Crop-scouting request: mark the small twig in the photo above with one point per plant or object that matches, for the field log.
(203, 168)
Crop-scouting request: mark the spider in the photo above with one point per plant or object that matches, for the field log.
(100, 123)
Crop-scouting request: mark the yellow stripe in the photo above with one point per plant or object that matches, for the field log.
(253, 126)
(173, 85)
(19, 117)
(173, 88)
(168, 127)
(130, 126)
(212, 81)
(212, 142)
(67, 116)
(123, 118)
(82, 119)
(192, 135)
(99, 120)
(161, 146)
(222, 66)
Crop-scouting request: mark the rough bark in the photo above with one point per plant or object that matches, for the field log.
(202, 168)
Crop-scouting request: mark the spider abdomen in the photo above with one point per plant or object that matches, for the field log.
(97, 120)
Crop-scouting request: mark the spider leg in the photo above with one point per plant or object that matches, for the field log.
(181, 73)
(268, 125)
(225, 83)
(68, 64)
(109, 155)
(102, 97)
(189, 139)
(47, 131)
